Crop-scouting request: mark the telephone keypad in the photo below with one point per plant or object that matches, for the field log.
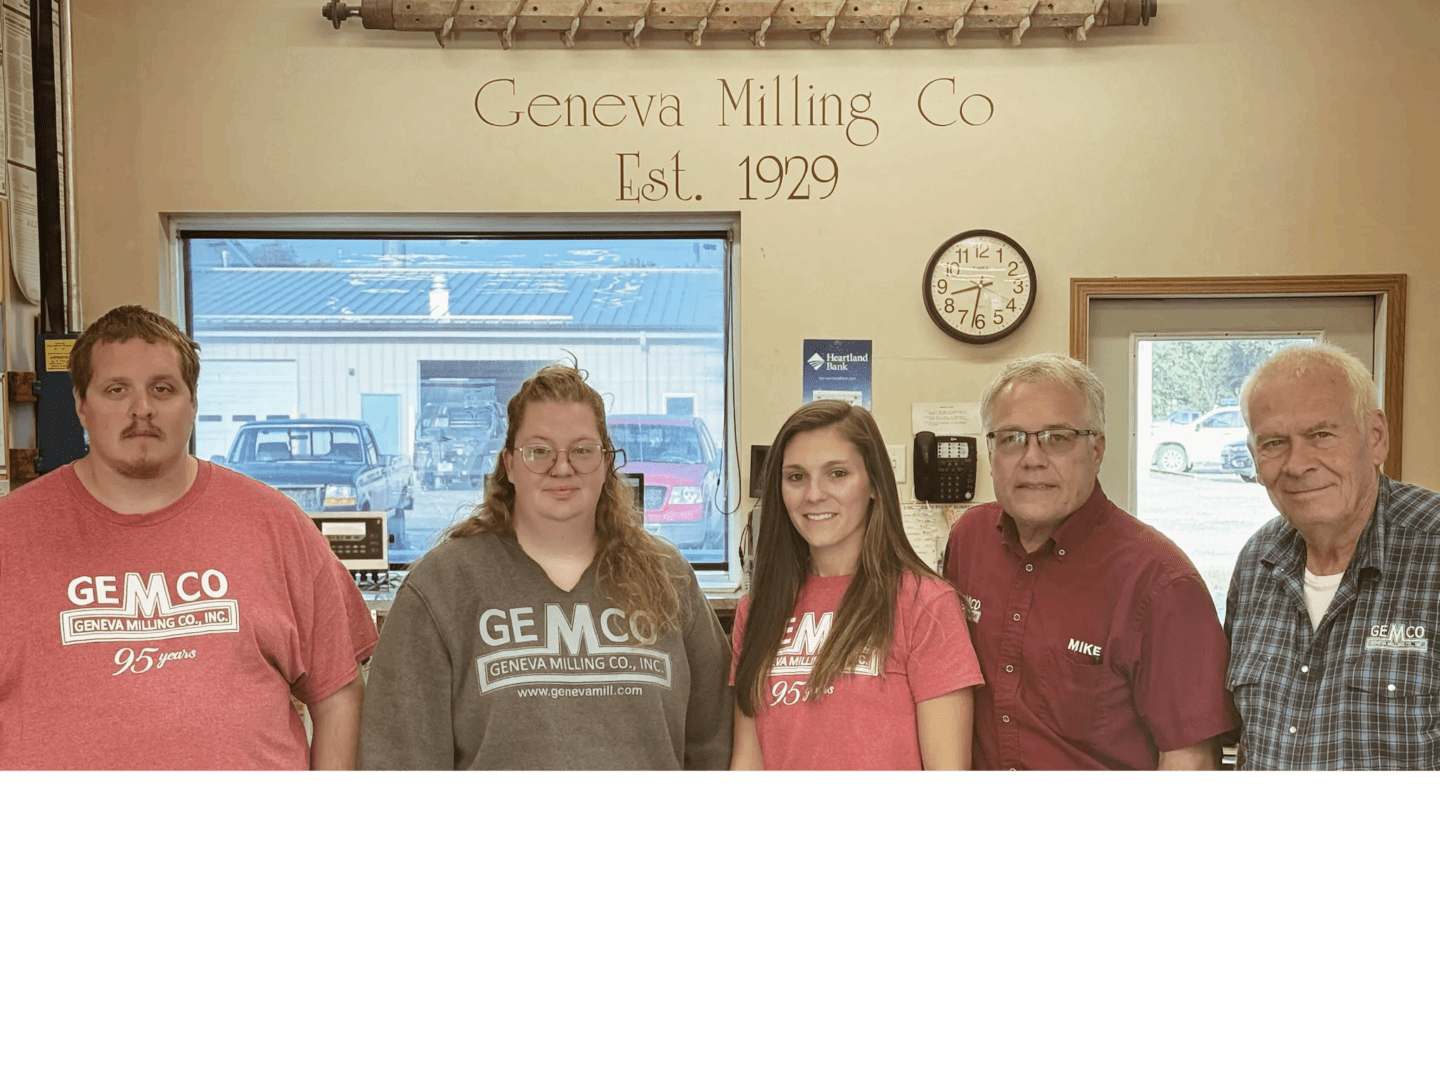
(953, 472)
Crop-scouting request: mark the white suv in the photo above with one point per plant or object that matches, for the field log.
(1182, 446)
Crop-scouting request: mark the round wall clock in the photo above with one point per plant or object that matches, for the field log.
(979, 286)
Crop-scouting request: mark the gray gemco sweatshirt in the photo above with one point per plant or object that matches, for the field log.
(484, 663)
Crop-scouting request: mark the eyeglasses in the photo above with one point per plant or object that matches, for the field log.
(1052, 441)
(583, 457)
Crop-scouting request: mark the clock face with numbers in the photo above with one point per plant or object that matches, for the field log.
(979, 286)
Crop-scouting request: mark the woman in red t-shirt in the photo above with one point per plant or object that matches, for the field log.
(850, 652)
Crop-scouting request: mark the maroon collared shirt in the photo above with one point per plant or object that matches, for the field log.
(1100, 650)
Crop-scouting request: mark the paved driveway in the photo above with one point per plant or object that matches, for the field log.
(1209, 515)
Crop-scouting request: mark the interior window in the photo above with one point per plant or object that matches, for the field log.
(410, 346)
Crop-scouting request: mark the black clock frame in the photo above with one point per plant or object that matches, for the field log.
(961, 335)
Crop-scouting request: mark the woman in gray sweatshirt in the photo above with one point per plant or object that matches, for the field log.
(549, 630)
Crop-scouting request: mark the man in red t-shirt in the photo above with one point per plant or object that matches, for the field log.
(1098, 639)
(161, 611)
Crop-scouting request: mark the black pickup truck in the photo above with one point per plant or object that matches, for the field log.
(325, 465)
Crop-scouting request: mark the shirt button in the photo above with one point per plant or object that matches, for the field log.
(1016, 617)
(1391, 688)
(1029, 567)
(1009, 667)
(1305, 668)
(1006, 719)
(1012, 768)
(1060, 551)
(1293, 730)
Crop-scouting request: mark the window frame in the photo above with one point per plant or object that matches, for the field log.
(176, 302)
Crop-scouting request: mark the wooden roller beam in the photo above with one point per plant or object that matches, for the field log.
(820, 19)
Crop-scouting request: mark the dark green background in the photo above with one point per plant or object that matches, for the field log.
(987, 925)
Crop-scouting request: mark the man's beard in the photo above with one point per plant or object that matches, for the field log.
(140, 470)
(147, 467)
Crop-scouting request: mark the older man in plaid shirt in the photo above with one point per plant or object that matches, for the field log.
(1332, 606)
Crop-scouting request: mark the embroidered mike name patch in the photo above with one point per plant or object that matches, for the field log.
(972, 608)
(1084, 651)
(1397, 636)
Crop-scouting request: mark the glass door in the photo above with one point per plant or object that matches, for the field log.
(1175, 443)
(1194, 477)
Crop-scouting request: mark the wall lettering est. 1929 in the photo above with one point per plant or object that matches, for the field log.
(777, 101)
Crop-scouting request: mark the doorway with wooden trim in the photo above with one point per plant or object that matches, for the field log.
(1172, 354)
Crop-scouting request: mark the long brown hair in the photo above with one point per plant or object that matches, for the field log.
(866, 617)
(633, 569)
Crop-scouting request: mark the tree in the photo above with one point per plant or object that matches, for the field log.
(275, 253)
(1203, 373)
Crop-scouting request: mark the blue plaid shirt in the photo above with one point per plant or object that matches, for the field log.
(1361, 690)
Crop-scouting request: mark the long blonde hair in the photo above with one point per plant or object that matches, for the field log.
(633, 569)
(865, 620)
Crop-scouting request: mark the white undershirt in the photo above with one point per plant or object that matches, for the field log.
(1319, 591)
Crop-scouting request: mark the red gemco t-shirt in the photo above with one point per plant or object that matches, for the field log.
(866, 720)
(1099, 650)
(168, 640)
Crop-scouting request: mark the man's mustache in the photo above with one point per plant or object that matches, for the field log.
(137, 428)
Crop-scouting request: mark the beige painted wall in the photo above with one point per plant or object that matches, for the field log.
(1229, 137)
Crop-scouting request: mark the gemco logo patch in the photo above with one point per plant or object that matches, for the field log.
(147, 609)
(1397, 636)
(580, 651)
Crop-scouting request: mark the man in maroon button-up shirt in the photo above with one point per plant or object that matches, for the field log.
(1097, 637)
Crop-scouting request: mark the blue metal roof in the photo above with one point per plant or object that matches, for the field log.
(246, 297)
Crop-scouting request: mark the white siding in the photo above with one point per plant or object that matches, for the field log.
(329, 373)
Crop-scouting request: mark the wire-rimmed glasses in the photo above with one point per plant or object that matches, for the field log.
(583, 457)
(1053, 441)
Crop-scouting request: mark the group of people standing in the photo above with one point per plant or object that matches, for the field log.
(549, 629)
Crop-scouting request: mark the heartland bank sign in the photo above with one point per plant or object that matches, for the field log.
(837, 369)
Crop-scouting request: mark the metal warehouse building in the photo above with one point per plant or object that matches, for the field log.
(383, 344)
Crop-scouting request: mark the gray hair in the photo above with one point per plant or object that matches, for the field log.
(1299, 360)
(1047, 367)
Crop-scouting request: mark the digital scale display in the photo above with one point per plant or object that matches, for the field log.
(358, 539)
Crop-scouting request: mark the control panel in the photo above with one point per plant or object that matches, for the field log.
(359, 539)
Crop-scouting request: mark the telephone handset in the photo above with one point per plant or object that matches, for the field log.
(944, 467)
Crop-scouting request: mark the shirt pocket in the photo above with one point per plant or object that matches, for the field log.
(1246, 679)
(1394, 702)
(1087, 702)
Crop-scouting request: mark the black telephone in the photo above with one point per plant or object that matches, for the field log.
(944, 467)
